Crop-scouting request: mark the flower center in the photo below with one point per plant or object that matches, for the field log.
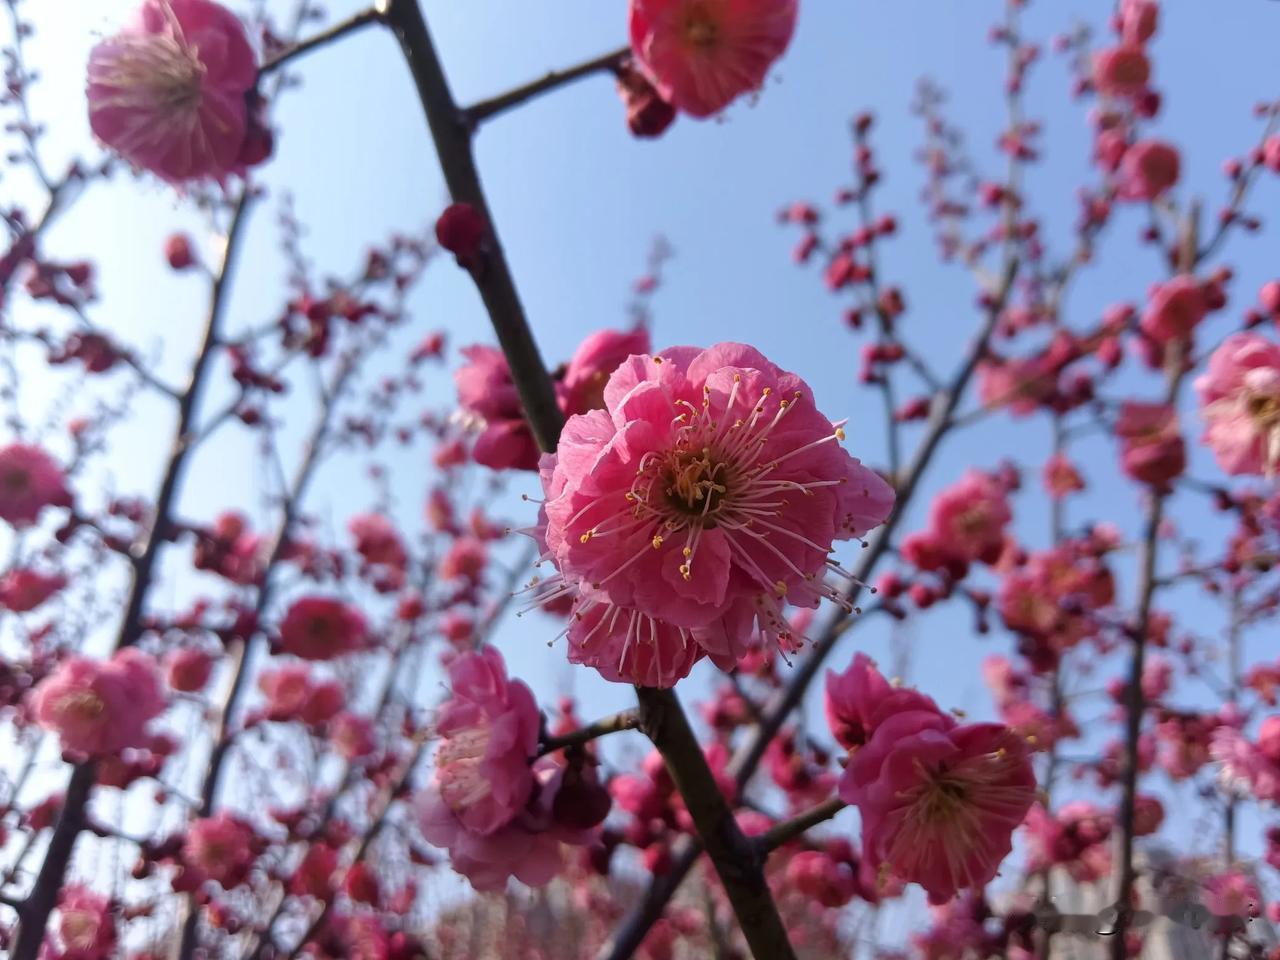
(944, 797)
(16, 482)
(458, 768)
(1264, 409)
(694, 484)
(701, 30)
(79, 929)
(157, 73)
(83, 705)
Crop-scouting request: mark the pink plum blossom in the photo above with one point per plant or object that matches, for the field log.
(1152, 448)
(939, 802)
(220, 847)
(1240, 403)
(99, 708)
(707, 493)
(321, 628)
(30, 481)
(489, 732)
(703, 54)
(1175, 309)
(171, 93)
(860, 699)
(594, 361)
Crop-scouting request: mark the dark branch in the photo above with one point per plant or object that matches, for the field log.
(478, 113)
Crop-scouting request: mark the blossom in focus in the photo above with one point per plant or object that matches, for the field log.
(1240, 403)
(701, 55)
(627, 646)
(707, 494)
(99, 708)
(30, 480)
(939, 802)
(1152, 448)
(321, 628)
(172, 93)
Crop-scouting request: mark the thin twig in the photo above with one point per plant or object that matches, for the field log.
(788, 830)
(476, 114)
(626, 720)
(336, 32)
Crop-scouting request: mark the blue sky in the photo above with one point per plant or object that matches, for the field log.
(578, 203)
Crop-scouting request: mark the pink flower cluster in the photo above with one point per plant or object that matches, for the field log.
(487, 392)
(939, 800)
(490, 804)
(174, 92)
(99, 708)
(967, 523)
(705, 495)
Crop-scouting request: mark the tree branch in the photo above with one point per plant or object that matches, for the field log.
(492, 276)
(664, 720)
(626, 720)
(476, 114)
(788, 830)
(738, 863)
(1135, 703)
(44, 892)
(336, 32)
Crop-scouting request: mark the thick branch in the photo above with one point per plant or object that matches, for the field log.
(664, 718)
(739, 864)
(492, 276)
(478, 113)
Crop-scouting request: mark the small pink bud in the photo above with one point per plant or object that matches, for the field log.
(177, 250)
(461, 230)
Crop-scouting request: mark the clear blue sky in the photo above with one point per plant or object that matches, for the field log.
(578, 201)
